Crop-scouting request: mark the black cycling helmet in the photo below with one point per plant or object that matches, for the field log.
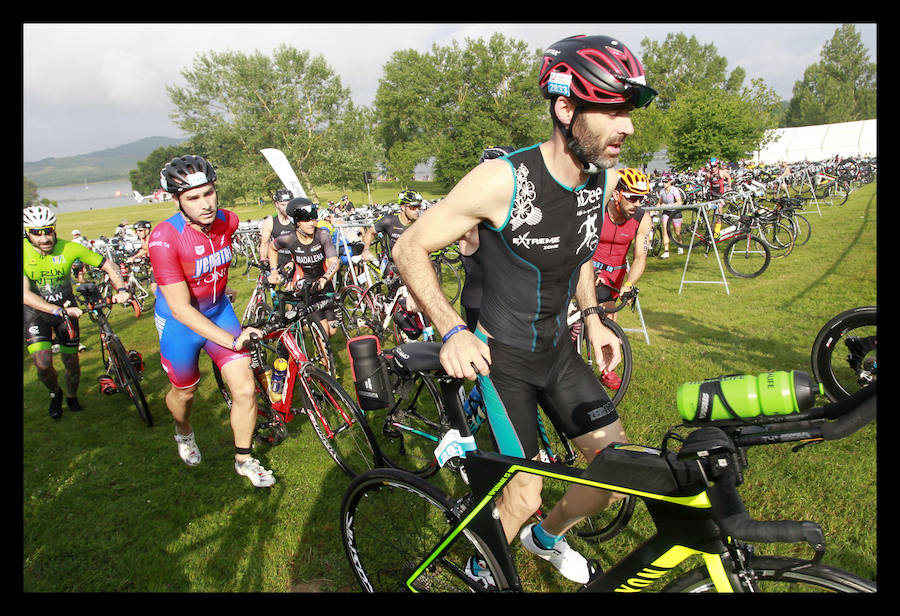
(300, 209)
(282, 194)
(142, 224)
(186, 172)
(495, 152)
(594, 70)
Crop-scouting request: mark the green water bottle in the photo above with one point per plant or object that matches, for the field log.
(741, 396)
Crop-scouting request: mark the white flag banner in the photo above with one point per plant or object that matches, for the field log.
(285, 172)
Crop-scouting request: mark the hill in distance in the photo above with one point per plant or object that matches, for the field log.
(100, 166)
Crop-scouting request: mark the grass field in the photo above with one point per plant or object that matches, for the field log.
(109, 507)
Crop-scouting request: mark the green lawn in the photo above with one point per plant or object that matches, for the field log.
(109, 507)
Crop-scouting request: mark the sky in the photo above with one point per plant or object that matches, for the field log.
(88, 87)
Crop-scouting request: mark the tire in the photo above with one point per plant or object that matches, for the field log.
(606, 524)
(127, 378)
(338, 421)
(780, 574)
(845, 368)
(682, 239)
(408, 431)
(315, 344)
(357, 312)
(779, 237)
(656, 240)
(747, 256)
(391, 521)
(623, 370)
(449, 278)
(802, 229)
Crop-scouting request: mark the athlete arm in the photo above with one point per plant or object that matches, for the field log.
(265, 234)
(606, 345)
(113, 272)
(642, 240)
(33, 300)
(178, 298)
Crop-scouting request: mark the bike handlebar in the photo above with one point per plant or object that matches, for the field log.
(90, 297)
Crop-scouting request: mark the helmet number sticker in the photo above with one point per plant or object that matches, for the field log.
(559, 83)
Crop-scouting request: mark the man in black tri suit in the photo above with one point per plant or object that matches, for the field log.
(539, 211)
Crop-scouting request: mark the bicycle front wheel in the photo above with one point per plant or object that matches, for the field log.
(391, 521)
(358, 314)
(773, 574)
(126, 377)
(747, 256)
(338, 422)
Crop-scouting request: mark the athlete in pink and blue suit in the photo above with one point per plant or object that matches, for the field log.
(190, 254)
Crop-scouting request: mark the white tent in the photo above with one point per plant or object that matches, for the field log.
(820, 142)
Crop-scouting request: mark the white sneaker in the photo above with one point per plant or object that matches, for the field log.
(664, 255)
(567, 561)
(477, 571)
(254, 471)
(187, 449)
(681, 251)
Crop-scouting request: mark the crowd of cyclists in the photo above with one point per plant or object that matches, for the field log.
(521, 240)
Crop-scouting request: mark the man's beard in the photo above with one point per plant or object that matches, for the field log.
(590, 151)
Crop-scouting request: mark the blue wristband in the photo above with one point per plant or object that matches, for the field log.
(456, 329)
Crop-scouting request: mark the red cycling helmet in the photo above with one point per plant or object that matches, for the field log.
(597, 70)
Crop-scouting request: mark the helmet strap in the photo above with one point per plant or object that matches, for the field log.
(574, 145)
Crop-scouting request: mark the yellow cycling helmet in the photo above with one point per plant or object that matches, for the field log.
(634, 181)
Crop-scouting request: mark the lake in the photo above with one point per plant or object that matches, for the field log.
(94, 196)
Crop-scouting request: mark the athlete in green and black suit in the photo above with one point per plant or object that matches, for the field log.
(47, 263)
(539, 212)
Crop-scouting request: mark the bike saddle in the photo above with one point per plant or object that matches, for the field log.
(417, 356)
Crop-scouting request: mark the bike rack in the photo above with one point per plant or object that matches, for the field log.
(637, 303)
(703, 208)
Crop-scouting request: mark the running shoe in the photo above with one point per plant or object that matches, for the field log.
(611, 380)
(187, 449)
(254, 471)
(56, 410)
(478, 572)
(74, 405)
(567, 561)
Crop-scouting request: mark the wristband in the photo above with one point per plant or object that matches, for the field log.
(59, 312)
(456, 329)
(234, 344)
(627, 284)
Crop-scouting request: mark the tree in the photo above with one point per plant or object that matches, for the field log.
(235, 105)
(841, 87)
(455, 101)
(709, 122)
(145, 178)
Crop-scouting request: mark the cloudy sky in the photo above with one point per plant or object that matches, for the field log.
(88, 87)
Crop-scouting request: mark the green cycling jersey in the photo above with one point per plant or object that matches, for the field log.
(49, 275)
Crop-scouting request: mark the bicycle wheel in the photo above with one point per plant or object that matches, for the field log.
(449, 278)
(779, 237)
(802, 229)
(126, 377)
(782, 575)
(656, 241)
(357, 312)
(338, 421)
(391, 521)
(315, 344)
(844, 352)
(681, 235)
(622, 371)
(747, 256)
(409, 430)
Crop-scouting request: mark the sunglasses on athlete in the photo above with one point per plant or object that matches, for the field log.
(42, 231)
(632, 197)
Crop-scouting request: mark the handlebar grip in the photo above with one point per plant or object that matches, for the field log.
(863, 403)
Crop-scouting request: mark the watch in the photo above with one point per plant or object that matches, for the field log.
(591, 310)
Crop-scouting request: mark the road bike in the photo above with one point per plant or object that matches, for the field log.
(268, 300)
(401, 533)
(844, 352)
(124, 368)
(378, 310)
(308, 390)
(745, 254)
(415, 418)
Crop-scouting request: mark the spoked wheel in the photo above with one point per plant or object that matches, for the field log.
(616, 383)
(126, 377)
(747, 256)
(390, 523)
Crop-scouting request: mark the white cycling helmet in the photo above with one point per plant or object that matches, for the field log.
(38, 216)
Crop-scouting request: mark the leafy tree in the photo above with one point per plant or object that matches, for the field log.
(456, 100)
(31, 191)
(145, 178)
(715, 122)
(841, 87)
(236, 104)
